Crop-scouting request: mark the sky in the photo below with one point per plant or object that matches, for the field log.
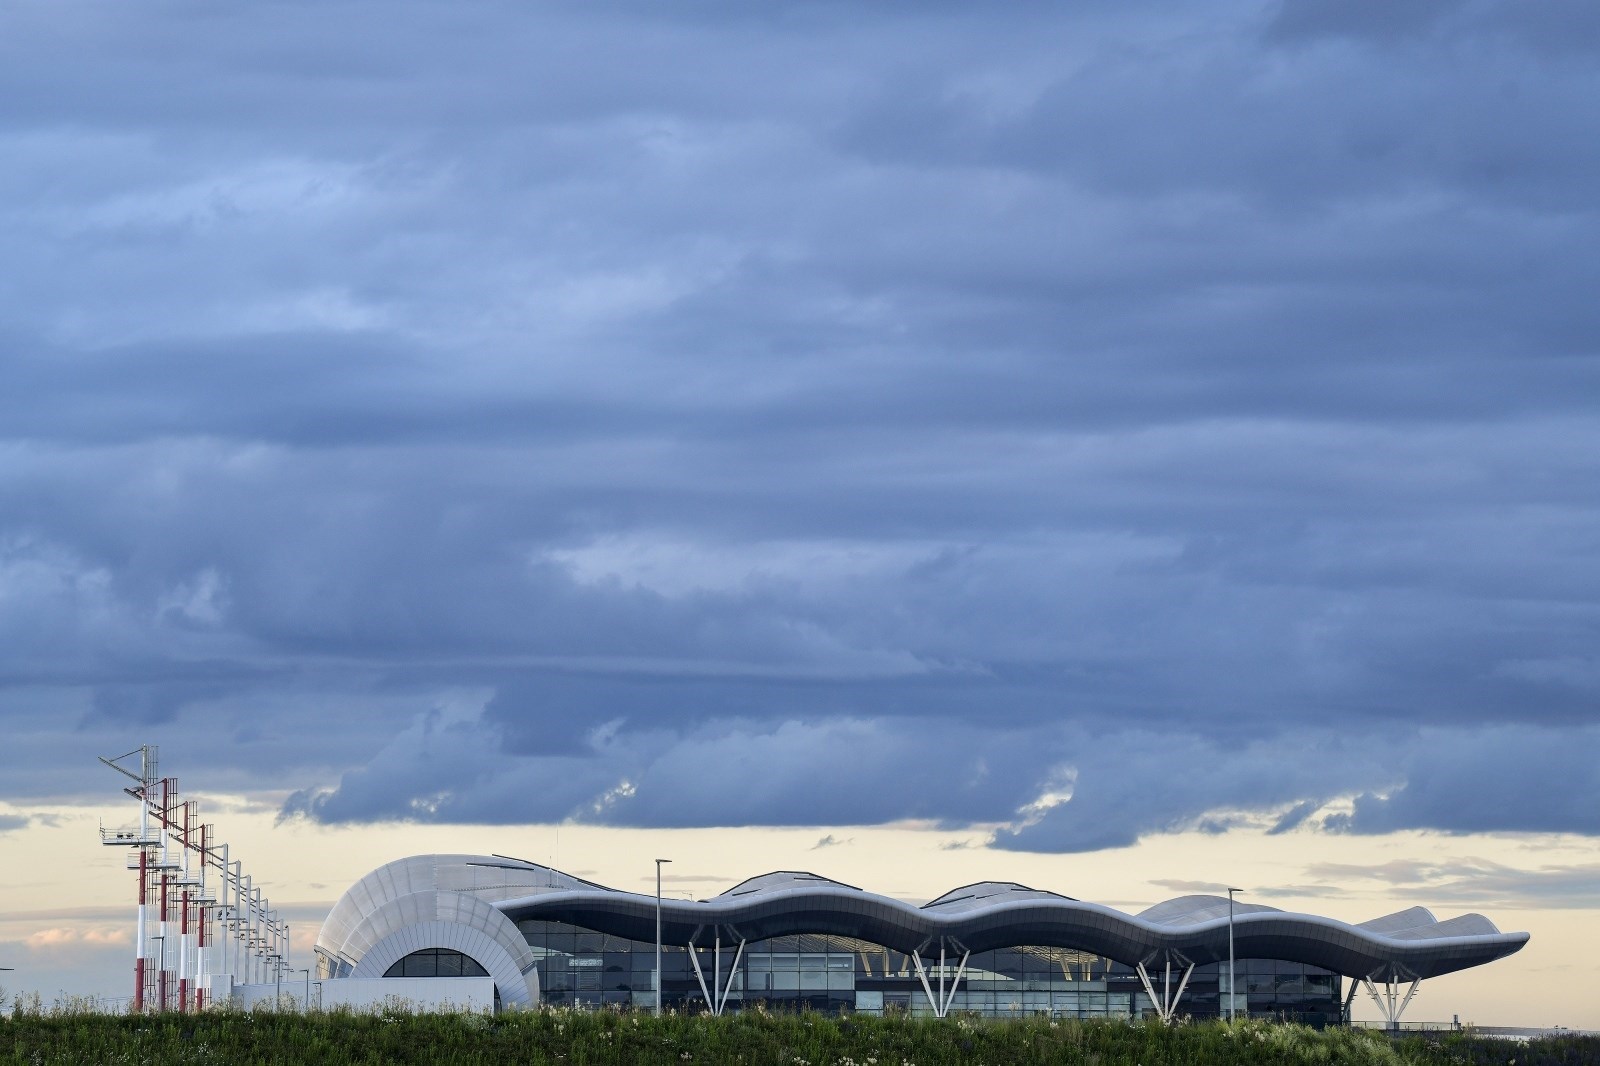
(1094, 440)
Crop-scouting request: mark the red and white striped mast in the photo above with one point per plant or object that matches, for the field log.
(183, 970)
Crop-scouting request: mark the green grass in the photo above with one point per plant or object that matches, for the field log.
(578, 1038)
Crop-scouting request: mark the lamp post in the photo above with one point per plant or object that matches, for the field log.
(1231, 993)
(658, 934)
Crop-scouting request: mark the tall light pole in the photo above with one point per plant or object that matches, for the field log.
(1231, 993)
(658, 934)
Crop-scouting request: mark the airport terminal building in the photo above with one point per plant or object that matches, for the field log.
(792, 940)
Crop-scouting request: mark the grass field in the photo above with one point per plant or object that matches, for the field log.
(39, 1037)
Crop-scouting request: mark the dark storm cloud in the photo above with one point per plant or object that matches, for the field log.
(1513, 779)
(1084, 423)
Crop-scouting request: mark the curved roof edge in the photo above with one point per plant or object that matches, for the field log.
(977, 917)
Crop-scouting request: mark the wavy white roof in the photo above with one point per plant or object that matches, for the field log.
(977, 917)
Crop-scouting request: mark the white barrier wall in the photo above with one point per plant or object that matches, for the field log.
(468, 994)
(247, 997)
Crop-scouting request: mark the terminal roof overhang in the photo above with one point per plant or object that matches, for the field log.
(1412, 943)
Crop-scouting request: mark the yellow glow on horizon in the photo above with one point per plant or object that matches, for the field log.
(67, 888)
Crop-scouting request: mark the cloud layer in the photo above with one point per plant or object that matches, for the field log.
(1085, 423)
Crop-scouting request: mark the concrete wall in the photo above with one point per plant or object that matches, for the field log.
(247, 997)
(471, 994)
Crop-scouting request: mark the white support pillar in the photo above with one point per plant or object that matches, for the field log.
(1188, 970)
(243, 929)
(1144, 978)
(738, 957)
(1386, 1003)
(955, 984)
(221, 950)
(694, 960)
(1166, 1004)
(258, 935)
(716, 994)
(236, 934)
(922, 975)
(940, 1001)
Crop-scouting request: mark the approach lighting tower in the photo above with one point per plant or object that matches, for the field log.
(177, 962)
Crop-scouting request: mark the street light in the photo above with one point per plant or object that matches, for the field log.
(1231, 993)
(658, 934)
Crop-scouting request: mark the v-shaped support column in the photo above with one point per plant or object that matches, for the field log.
(1166, 1003)
(1390, 1004)
(716, 995)
(940, 1002)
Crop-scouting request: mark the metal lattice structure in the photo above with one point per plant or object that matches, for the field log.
(190, 936)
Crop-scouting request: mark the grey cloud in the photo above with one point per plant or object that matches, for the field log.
(1471, 881)
(449, 765)
(831, 770)
(1309, 19)
(495, 419)
(695, 879)
(1294, 817)
(1132, 783)
(1499, 779)
(1318, 891)
(1556, 29)
(56, 914)
(1186, 887)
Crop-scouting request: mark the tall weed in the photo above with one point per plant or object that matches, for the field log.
(68, 1033)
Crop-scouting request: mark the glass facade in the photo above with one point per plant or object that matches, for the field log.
(436, 962)
(580, 967)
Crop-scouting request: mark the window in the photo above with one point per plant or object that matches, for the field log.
(436, 962)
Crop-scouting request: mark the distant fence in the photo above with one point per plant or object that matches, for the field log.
(1512, 1032)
